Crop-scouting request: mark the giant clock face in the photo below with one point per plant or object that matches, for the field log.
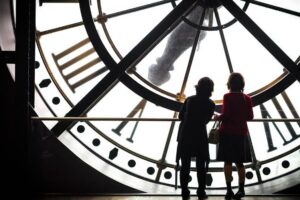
(114, 60)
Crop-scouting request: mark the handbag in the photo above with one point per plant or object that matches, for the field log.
(214, 133)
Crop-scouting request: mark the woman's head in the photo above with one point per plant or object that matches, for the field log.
(236, 82)
(205, 86)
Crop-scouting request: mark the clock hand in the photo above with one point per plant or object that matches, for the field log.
(117, 70)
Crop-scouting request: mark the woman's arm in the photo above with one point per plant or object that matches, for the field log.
(250, 115)
(225, 109)
(210, 112)
(182, 111)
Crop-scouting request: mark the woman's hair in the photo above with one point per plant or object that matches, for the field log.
(236, 82)
(205, 86)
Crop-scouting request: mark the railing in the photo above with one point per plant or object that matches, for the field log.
(255, 165)
(147, 119)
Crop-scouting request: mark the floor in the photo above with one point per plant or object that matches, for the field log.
(149, 197)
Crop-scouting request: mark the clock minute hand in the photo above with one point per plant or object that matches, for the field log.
(117, 70)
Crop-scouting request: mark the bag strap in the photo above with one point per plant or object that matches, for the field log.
(216, 124)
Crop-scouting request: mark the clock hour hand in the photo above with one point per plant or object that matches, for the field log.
(117, 70)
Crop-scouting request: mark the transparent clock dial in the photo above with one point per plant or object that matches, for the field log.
(238, 51)
(141, 154)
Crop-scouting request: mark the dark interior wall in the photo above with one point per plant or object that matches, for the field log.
(9, 147)
(52, 168)
(46, 166)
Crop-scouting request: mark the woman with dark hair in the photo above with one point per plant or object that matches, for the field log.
(196, 112)
(234, 145)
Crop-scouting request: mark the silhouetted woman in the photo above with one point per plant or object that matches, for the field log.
(196, 112)
(234, 146)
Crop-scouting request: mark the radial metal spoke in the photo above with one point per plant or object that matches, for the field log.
(262, 37)
(61, 28)
(291, 12)
(192, 55)
(139, 8)
(223, 41)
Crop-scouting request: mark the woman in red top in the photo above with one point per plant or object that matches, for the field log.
(234, 144)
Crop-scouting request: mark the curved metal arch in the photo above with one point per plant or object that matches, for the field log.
(212, 28)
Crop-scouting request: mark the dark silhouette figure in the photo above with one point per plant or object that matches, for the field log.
(196, 112)
(234, 145)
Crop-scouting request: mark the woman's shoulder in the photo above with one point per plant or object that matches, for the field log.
(235, 94)
(189, 98)
(248, 99)
(211, 102)
(228, 95)
(247, 96)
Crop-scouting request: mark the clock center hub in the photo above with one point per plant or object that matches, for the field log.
(209, 3)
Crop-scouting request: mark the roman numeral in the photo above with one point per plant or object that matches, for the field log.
(266, 114)
(79, 65)
(138, 109)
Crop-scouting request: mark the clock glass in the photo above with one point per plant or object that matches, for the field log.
(205, 40)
